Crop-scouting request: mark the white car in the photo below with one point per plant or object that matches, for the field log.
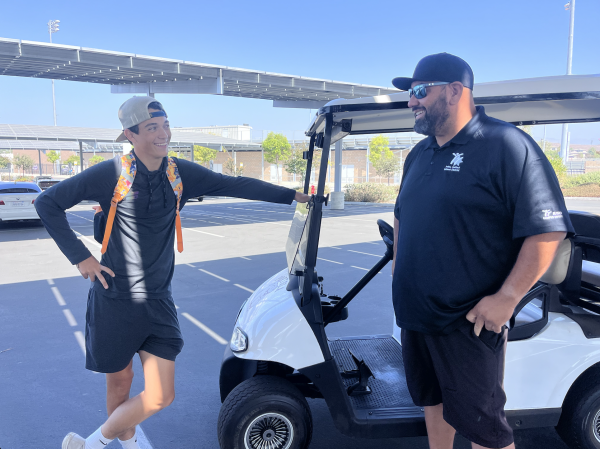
(16, 201)
(280, 353)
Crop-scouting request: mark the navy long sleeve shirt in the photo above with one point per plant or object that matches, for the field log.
(141, 247)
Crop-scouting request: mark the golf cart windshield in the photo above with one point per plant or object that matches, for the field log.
(297, 241)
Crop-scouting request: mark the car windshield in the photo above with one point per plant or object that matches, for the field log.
(295, 247)
(47, 183)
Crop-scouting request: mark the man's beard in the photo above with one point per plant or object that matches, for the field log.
(435, 118)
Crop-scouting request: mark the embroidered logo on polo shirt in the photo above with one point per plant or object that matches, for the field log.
(455, 163)
(549, 214)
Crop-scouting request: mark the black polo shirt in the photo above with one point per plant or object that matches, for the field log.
(464, 210)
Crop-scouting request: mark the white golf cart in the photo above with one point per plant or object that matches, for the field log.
(279, 353)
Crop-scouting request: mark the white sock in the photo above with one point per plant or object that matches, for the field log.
(131, 443)
(96, 440)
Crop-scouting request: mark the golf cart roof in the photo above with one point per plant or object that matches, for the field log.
(532, 101)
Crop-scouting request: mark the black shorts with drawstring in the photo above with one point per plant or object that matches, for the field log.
(118, 328)
(465, 373)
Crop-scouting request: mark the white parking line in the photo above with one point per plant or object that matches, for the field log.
(142, 439)
(332, 261)
(190, 265)
(359, 268)
(360, 252)
(93, 242)
(58, 296)
(213, 274)
(203, 232)
(244, 288)
(70, 318)
(334, 247)
(81, 340)
(80, 216)
(206, 329)
(50, 281)
(245, 258)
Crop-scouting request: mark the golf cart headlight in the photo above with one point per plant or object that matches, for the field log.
(239, 341)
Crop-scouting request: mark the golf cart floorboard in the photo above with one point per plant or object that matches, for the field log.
(383, 354)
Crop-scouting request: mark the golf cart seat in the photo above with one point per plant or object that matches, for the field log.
(570, 286)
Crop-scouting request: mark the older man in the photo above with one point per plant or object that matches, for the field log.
(477, 222)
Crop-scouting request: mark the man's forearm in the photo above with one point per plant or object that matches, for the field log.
(534, 259)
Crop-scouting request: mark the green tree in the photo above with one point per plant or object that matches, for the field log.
(23, 161)
(232, 169)
(385, 163)
(4, 161)
(276, 149)
(52, 156)
(96, 160)
(204, 154)
(593, 153)
(173, 153)
(558, 165)
(545, 145)
(72, 160)
(379, 145)
(296, 164)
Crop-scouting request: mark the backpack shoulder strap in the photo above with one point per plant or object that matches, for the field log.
(128, 171)
(177, 185)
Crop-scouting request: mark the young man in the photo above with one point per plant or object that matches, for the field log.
(130, 308)
(471, 239)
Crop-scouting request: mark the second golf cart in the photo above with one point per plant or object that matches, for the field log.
(280, 354)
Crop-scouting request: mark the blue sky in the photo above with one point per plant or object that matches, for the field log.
(361, 42)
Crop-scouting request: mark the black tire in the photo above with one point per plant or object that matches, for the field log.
(268, 408)
(579, 425)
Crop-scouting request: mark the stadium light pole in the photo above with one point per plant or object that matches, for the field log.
(564, 142)
(53, 28)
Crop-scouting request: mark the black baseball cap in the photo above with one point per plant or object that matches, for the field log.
(439, 67)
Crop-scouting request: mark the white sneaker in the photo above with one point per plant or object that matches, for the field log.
(73, 441)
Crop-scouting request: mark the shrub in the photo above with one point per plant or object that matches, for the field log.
(370, 192)
(24, 179)
(579, 180)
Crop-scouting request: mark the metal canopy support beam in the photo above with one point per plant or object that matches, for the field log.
(40, 160)
(192, 152)
(203, 86)
(80, 156)
(337, 196)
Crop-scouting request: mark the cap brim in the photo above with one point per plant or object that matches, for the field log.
(121, 137)
(402, 83)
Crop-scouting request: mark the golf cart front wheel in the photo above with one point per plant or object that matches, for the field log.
(579, 425)
(265, 412)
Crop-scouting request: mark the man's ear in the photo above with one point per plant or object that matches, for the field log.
(130, 135)
(456, 91)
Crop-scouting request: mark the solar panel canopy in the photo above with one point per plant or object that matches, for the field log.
(129, 73)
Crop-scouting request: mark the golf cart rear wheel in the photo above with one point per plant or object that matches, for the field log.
(265, 412)
(579, 425)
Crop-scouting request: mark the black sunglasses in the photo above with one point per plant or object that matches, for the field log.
(420, 90)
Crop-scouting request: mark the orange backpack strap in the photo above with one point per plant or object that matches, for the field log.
(175, 180)
(128, 170)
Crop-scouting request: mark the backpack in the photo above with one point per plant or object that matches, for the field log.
(128, 171)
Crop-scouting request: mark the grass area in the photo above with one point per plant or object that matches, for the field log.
(584, 190)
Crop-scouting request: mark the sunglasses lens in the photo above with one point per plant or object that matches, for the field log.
(420, 92)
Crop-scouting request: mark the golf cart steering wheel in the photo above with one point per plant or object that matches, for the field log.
(387, 233)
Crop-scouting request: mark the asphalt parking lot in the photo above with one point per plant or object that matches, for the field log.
(231, 247)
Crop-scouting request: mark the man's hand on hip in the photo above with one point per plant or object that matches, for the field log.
(302, 197)
(492, 312)
(91, 268)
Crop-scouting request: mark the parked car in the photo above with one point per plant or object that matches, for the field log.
(280, 354)
(45, 182)
(16, 201)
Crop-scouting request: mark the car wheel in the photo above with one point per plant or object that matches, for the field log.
(265, 412)
(579, 425)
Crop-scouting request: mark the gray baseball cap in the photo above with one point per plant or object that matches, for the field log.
(135, 111)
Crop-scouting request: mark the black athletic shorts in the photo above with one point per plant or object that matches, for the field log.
(466, 374)
(116, 329)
